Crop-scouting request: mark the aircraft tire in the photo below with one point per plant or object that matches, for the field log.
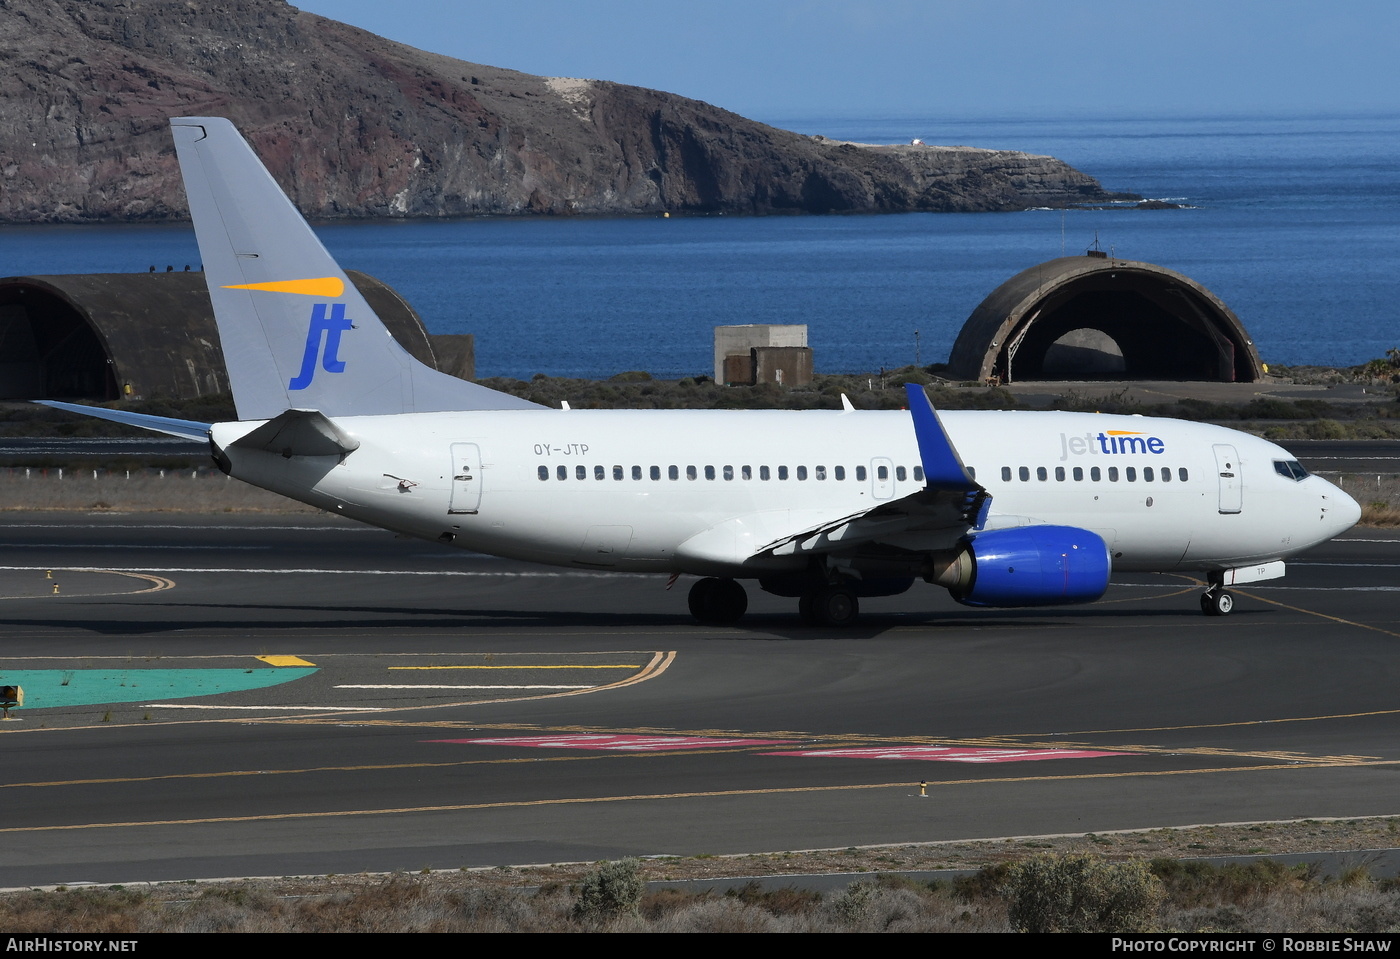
(836, 606)
(1217, 602)
(717, 602)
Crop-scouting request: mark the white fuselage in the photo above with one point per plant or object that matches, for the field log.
(707, 491)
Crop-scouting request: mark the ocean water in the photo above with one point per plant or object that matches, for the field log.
(1293, 221)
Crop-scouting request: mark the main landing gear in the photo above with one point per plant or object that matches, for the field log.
(721, 602)
(718, 602)
(832, 605)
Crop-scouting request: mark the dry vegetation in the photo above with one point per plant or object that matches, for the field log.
(140, 490)
(1121, 882)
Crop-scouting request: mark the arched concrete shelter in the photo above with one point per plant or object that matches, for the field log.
(1095, 316)
(107, 336)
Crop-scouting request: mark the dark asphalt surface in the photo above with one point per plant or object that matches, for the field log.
(1285, 709)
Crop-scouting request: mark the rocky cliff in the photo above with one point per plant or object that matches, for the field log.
(354, 125)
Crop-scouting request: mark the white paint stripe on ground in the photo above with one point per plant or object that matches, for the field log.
(314, 709)
(425, 686)
(123, 546)
(158, 527)
(348, 572)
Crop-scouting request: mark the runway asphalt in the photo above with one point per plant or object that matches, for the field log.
(235, 705)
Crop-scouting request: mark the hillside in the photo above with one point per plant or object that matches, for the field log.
(354, 125)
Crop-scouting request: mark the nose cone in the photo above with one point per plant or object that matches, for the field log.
(1339, 511)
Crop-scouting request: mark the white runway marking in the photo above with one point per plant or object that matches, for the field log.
(425, 686)
(351, 572)
(314, 709)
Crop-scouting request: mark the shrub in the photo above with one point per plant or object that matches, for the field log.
(613, 889)
(1081, 893)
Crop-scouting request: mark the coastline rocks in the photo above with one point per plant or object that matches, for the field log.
(353, 125)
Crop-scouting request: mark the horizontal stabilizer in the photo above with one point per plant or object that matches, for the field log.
(299, 433)
(189, 429)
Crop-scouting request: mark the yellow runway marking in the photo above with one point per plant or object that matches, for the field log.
(1313, 612)
(514, 760)
(284, 661)
(158, 583)
(660, 662)
(582, 800)
(1242, 722)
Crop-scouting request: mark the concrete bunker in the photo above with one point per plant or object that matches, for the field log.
(1097, 317)
(108, 336)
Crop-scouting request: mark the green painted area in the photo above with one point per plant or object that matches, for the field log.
(90, 687)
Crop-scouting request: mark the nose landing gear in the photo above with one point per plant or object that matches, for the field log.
(1217, 601)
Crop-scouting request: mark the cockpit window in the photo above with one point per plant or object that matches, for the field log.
(1291, 469)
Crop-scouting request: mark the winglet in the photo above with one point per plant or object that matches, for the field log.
(943, 467)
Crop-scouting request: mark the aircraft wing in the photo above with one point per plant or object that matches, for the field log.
(950, 501)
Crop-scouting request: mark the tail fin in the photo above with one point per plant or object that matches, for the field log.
(296, 333)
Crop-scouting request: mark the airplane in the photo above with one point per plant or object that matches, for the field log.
(1002, 509)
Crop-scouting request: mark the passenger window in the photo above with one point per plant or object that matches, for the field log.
(840, 472)
(1059, 474)
(820, 472)
(1006, 474)
(544, 472)
(802, 472)
(1094, 474)
(1113, 474)
(882, 473)
(1025, 474)
(782, 472)
(901, 474)
(1166, 474)
(1181, 474)
(746, 472)
(861, 474)
(729, 472)
(1148, 475)
(581, 472)
(1041, 474)
(599, 473)
(1079, 474)
(636, 472)
(709, 472)
(763, 473)
(1131, 473)
(691, 473)
(674, 472)
(618, 473)
(656, 472)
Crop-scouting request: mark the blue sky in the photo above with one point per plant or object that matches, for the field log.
(775, 59)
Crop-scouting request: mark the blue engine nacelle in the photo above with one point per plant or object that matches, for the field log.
(1028, 566)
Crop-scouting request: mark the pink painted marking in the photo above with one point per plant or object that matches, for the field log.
(947, 754)
(606, 741)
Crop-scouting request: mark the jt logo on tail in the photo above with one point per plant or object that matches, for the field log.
(332, 326)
